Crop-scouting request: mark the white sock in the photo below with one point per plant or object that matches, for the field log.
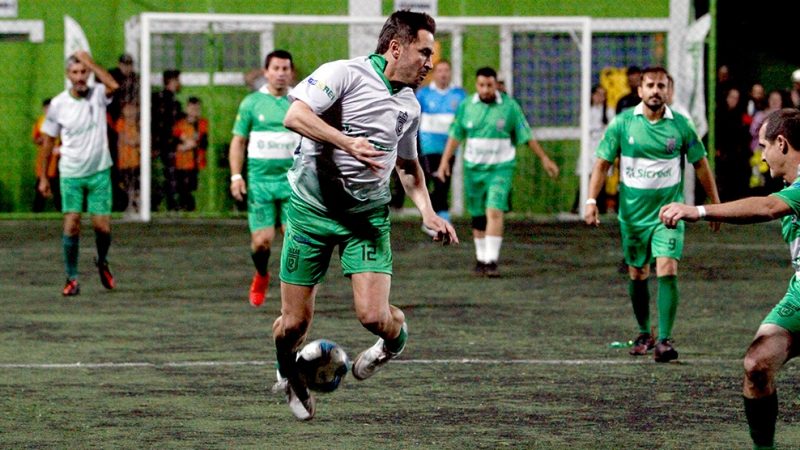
(480, 249)
(493, 244)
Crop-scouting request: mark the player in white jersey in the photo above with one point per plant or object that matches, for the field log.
(775, 341)
(78, 117)
(358, 120)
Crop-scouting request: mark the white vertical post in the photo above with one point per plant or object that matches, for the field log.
(586, 80)
(457, 65)
(144, 123)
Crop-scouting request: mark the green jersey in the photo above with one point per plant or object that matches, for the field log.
(651, 161)
(492, 131)
(270, 145)
(790, 229)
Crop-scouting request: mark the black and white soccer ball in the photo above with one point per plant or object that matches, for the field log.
(322, 364)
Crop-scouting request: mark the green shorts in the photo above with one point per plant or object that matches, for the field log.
(488, 189)
(267, 199)
(96, 189)
(786, 314)
(363, 240)
(641, 245)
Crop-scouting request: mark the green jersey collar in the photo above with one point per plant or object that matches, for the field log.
(379, 63)
(638, 110)
(498, 98)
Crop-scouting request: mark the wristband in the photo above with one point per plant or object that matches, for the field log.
(591, 201)
(701, 211)
(236, 177)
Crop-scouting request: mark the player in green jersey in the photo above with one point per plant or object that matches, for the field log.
(492, 125)
(653, 143)
(774, 343)
(270, 145)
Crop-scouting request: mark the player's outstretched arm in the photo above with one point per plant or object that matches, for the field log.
(301, 119)
(413, 180)
(746, 210)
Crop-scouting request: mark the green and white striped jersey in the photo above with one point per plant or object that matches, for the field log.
(790, 228)
(650, 161)
(354, 96)
(270, 145)
(490, 132)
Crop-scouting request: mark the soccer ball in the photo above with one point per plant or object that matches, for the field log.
(322, 364)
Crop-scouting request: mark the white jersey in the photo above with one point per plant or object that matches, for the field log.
(353, 96)
(81, 125)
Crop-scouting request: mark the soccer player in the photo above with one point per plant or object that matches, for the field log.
(651, 141)
(358, 120)
(774, 343)
(259, 127)
(78, 117)
(493, 125)
(438, 101)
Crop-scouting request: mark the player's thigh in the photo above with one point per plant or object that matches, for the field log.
(368, 247)
(98, 193)
(668, 242)
(499, 190)
(371, 293)
(72, 194)
(636, 244)
(262, 196)
(476, 189)
(786, 314)
(307, 246)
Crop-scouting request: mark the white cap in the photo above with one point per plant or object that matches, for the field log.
(796, 76)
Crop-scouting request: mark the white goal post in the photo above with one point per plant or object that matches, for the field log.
(578, 30)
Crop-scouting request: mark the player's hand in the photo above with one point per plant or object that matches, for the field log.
(364, 151)
(83, 56)
(445, 233)
(672, 213)
(550, 167)
(238, 189)
(44, 187)
(443, 171)
(591, 215)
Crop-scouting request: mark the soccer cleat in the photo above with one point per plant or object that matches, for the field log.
(106, 278)
(302, 409)
(664, 351)
(643, 344)
(258, 289)
(491, 271)
(71, 288)
(370, 360)
(480, 269)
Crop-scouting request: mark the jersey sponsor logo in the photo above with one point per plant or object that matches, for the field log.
(322, 86)
(402, 118)
(80, 130)
(643, 173)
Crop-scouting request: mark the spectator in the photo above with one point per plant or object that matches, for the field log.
(757, 100)
(191, 132)
(128, 92)
(51, 167)
(795, 92)
(634, 74)
(733, 148)
(166, 112)
(128, 155)
(599, 117)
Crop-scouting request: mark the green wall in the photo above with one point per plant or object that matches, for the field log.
(31, 72)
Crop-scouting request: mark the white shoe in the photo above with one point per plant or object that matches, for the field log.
(370, 360)
(303, 410)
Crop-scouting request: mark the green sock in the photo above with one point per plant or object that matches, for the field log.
(396, 345)
(640, 299)
(103, 242)
(261, 261)
(71, 245)
(762, 413)
(667, 305)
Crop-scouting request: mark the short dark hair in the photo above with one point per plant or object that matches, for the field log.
(46, 102)
(280, 54)
(486, 72)
(194, 101)
(654, 69)
(403, 26)
(171, 74)
(633, 69)
(126, 58)
(783, 122)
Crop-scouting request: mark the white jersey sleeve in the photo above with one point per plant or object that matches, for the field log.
(323, 87)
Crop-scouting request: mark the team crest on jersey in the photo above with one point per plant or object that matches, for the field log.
(401, 121)
(788, 310)
(292, 260)
(501, 124)
(671, 144)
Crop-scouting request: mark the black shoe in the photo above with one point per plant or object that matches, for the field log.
(664, 351)
(480, 269)
(491, 270)
(643, 344)
(106, 278)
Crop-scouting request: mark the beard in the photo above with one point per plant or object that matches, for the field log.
(655, 104)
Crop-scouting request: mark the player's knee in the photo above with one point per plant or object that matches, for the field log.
(372, 319)
(757, 372)
(290, 327)
(479, 223)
